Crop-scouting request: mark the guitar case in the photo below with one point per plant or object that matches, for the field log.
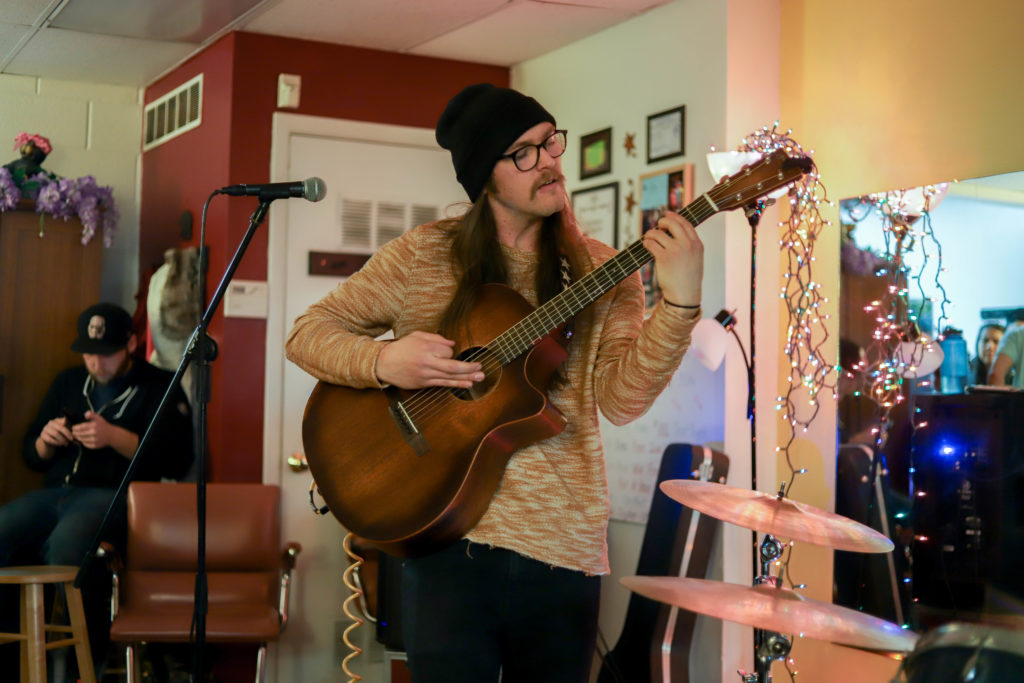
(655, 641)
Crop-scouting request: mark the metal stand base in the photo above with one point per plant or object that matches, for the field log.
(769, 646)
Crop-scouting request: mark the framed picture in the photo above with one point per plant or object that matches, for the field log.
(596, 153)
(597, 212)
(666, 132)
(661, 192)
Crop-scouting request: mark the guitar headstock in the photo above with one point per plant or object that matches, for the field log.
(758, 179)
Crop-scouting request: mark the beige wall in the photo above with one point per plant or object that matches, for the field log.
(95, 130)
(900, 94)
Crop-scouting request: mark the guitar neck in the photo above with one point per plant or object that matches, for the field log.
(523, 335)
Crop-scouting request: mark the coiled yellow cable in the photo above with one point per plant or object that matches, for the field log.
(355, 595)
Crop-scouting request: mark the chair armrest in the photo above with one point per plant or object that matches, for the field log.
(288, 556)
(115, 563)
(111, 556)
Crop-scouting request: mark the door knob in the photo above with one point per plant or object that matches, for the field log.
(297, 461)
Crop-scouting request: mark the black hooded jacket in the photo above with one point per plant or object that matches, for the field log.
(138, 394)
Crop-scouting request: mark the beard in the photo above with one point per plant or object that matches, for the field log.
(120, 371)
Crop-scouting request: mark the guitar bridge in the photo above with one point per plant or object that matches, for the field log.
(407, 425)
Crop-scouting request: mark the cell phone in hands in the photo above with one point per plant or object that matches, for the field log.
(71, 417)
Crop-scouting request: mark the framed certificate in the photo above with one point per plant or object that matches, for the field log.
(597, 212)
(666, 132)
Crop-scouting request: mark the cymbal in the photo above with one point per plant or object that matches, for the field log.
(784, 518)
(772, 608)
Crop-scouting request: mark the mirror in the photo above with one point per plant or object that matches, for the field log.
(979, 227)
(947, 479)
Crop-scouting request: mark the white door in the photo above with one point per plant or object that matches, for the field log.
(380, 181)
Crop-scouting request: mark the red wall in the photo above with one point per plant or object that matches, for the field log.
(233, 146)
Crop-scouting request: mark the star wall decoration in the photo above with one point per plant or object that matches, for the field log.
(630, 144)
(630, 199)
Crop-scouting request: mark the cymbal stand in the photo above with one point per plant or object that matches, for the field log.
(768, 645)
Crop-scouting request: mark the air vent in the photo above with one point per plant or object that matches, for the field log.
(424, 214)
(176, 112)
(366, 225)
(355, 223)
(390, 221)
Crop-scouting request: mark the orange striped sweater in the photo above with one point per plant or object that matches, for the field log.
(552, 504)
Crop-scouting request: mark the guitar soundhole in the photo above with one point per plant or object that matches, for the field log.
(492, 372)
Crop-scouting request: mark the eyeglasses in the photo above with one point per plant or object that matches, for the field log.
(525, 158)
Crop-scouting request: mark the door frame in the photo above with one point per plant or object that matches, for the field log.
(284, 127)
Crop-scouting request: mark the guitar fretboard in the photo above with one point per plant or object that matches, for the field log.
(523, 335)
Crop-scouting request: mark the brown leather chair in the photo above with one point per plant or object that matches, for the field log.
(248, 571)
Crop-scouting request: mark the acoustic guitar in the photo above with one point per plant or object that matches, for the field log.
(411, 471)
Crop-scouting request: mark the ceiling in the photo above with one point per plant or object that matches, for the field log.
(134, 42)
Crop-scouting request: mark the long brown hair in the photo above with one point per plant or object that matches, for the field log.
(477, 258)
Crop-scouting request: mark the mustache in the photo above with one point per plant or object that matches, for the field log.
(547, 177)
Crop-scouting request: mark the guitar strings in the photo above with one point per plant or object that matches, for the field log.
(427, 402)
(438, 397)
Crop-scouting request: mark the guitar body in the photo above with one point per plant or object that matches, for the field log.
(413, 493)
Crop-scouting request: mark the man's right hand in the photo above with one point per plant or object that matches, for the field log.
(423, 359)
(55, 434)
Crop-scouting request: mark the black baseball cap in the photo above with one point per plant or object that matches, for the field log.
(103, 329)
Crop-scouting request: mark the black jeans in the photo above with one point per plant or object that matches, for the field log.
(470, 611)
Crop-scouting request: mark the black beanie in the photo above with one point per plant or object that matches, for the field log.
(479, 124)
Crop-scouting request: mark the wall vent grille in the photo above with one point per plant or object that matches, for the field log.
(172, 114)
(368, 224)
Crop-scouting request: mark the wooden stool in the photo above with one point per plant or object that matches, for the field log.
(34, 626)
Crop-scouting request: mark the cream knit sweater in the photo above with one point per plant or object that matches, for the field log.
(552, 504)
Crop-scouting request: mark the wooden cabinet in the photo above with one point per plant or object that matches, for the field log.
(47, 277)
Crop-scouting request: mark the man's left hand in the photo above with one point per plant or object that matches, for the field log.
(678, 259)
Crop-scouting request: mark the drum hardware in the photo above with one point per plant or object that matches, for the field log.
(965, 653)
(769, 646)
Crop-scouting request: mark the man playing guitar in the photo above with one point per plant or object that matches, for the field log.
(518, 593)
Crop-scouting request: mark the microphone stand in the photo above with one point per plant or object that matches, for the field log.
(762, 640)
(201, 350)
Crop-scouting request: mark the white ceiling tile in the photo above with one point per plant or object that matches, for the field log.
(25, 12)
(70, 55)
(189, 21)
(102, 41)
(520, 31)
(630, 6)
(394, 25)
(10, 35)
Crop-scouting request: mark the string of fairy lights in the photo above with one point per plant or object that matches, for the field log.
(899, 351)
(809, 372)
(806, 328)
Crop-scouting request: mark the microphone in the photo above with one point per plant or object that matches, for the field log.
(312, 189)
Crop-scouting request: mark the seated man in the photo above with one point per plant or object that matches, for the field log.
(1009, 360)
(83, 438)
